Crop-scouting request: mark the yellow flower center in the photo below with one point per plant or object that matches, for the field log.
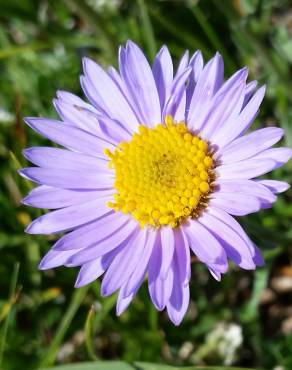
(163, 175)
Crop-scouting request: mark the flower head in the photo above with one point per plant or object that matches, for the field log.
(155, 165)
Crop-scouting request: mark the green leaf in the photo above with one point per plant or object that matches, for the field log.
(99, 365)
(118, 365)
(149, 366)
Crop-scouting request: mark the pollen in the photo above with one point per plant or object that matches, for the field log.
(163, 175)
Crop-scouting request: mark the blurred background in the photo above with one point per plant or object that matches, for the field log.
(246, 319)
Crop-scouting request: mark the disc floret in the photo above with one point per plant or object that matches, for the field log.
(163, 175)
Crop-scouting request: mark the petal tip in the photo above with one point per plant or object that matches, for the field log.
(286, 187)
(59, 94)
(79, 283)
(43, 265)
(175, 320)
(119, 310)
(25, 201)
(85, 62)
(30, 120)
(23, 172)
(30, 229)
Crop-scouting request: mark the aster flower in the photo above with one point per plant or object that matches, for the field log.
(155, 165)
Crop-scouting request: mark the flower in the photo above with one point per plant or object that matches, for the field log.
(157, 164)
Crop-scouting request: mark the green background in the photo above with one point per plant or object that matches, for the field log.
(43, 320)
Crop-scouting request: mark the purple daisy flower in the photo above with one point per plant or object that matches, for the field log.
(154, 166)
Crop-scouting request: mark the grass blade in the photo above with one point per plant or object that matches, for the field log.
(147, 29)
(89, 334)
(74, 305)
(11, 302)
(214, 40)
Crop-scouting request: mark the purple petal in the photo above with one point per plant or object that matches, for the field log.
(279, 155)
(89, 272)
(183, 64)
(74, 100)
(176, 105)
(180, 82)
(124, 300)
(235, 204)
(69, 136)
(120, 238)
(215, 273)
(69, 217)
(87, 120)
(209, 82)
(138, 76)
(141, 267)
(217, 269)
(247, 169)
(249, 90)
(52, 198)
(247, 187)
(121, 84)
(225, 104)
(124, 263)
(154, 268)
(250, 87)
(113, 130)
(247, 146)
(55, 259)
(274, 185)
(79, 114)
(179, 299)
(232, 223)
(76, 112)
(176, 312)
(235, 79)
(236, 247)
(160, 289)
(167, 249)
(61, 158)
(234, 127)
(92, 270)
(258, 258)
(163, 74)
(182, 251)
(110, 101)
(92, 233)
(204, 245)
(197, 64)
(68, 179)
